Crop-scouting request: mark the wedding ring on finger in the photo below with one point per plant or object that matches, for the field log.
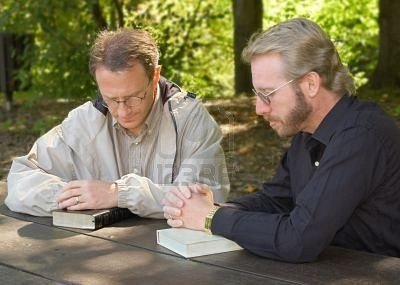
(77, 198)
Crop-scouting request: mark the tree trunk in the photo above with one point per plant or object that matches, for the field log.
(387, 72)
(247, 20)
(98, 16)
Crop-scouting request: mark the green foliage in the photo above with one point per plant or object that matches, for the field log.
(14, 126)
(56, 60)
(195, 38)
(388, 99)
(42, 125)
(195, 41)
(351, 24)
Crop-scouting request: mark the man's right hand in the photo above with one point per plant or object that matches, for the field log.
(189, 212)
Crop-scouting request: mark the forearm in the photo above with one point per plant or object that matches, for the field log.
(32, 191)
(268, 235)
(262, 202)
(141, 196)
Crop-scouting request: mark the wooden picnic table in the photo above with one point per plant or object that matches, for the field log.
(32, 251)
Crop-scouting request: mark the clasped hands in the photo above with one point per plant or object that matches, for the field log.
(188, 206)
(88, 194)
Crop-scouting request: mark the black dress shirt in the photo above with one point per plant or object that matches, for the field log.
(338, 186)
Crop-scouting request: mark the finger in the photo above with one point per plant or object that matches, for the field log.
(77, 207)
(72, 184)
(68, 194)
(195, 188)
(75, 200)
(199, 188)
(175, 223)
(204, 188)
(167, 215)
(173, 212)
(173, 200)
(183, 192)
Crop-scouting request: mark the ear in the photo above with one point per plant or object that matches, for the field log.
(311, 84)
(156, 76)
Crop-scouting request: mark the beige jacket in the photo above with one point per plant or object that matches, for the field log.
(82, 147)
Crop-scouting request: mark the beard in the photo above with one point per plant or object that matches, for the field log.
(289, 126)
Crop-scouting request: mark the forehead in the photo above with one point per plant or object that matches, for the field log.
(133, 76)
(267, 70)
(121, 83)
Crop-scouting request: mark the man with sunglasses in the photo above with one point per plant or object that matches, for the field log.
(338, 183)
(128, 147)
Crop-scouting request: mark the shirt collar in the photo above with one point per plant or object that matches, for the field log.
(333, 119)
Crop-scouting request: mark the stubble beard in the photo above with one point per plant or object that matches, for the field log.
(292, 124)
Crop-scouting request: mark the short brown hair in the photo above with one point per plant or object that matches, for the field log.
(304, 47)
(121, 49)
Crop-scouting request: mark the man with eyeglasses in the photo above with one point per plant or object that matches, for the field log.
(127, 148)
(337, 184)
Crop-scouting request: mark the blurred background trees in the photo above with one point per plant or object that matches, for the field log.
(247, 20)
(387, 71)
(199, 40)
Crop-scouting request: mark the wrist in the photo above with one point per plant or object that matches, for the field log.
(209, 217)
(114, 193)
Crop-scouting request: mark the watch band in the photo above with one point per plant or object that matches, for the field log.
(209, 217)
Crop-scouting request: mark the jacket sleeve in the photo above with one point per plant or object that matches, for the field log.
(201, 159)
(31, 187)
(201, 156)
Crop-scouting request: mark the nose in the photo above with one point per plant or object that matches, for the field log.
(261, 107)
(122, 109)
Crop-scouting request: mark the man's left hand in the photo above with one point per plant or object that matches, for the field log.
(194, 210)
(88, 194)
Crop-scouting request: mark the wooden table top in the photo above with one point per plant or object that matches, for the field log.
(33, 251)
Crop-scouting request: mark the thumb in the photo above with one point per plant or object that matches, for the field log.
(175, 223)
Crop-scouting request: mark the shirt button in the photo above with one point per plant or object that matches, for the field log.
(136, 143)
(135, 170)
(316, 163)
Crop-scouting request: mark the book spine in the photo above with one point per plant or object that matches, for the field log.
(113, 216)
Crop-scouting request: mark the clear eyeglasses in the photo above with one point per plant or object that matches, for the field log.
(266, 97)
(128, 101)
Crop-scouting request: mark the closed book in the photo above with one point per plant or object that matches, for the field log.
(89, 219)
(190, 243)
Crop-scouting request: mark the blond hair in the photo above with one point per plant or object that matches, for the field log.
(304, 47)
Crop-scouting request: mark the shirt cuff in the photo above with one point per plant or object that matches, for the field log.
(223, 221)
(123, 193)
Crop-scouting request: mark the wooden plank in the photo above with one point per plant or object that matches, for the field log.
(78, 258)
(335, 266)
(9, 275)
